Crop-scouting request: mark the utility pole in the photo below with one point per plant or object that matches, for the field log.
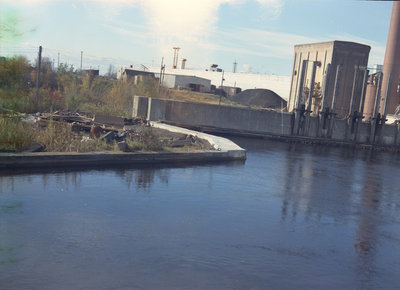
(221, 88)
(234, 66)
(162, 71)
(58, 61)
(38, 76)
(81, 59)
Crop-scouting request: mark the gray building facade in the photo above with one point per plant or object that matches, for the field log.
(349, 55)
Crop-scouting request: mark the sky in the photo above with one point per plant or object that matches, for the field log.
(259, 35)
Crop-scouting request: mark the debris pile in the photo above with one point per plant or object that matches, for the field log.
(128, 134)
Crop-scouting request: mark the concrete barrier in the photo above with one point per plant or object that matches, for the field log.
(242, 121)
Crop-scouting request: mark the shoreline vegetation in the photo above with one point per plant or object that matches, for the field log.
(66, 89)
(73, 132)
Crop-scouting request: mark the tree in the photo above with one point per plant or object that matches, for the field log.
(14, 76)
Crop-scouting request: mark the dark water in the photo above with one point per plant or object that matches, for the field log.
(290, 217)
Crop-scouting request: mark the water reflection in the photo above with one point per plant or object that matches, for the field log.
(137, 177)
(290, 217)
(73, 180)
(142, 178)
(348, 185)
(367, 235)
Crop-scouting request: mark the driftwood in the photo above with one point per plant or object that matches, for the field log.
(85, 121)
(107, 128)
(114, 129)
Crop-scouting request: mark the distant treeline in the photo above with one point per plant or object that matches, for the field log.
(64, 87)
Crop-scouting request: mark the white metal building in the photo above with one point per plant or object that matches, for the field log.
(192, 83)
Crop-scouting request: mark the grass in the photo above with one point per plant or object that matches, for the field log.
(189, 96)
(59, 137)
(15, 135)
(144, 140)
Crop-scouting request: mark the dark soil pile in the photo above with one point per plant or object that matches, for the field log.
(260, 98)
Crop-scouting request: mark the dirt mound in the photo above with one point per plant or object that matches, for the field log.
(261, 98)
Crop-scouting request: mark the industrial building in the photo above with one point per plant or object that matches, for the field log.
(192, 83)
(230, 91)
(124, 73)
(335, 67)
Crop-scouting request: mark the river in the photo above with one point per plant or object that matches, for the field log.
(289, 217)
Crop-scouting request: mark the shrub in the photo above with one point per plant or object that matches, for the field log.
(144, 140)
(59, 137)
(15, 135)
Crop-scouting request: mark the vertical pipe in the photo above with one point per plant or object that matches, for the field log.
(335, 91)
(353, 92)
(387, 97)
(364, 89)
(298, 114)
(308, 116)
(374, 120)
(377, 96)
(314, 68)
(302, 76)
(294, 73)
(325, 86)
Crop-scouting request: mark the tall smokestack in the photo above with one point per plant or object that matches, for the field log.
(391, 65)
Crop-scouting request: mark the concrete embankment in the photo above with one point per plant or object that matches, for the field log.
(292, 127)
(225, 150)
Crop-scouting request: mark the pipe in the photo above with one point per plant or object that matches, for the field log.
(314, 69)
(335, 91)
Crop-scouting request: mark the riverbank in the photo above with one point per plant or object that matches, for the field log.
(224, 150)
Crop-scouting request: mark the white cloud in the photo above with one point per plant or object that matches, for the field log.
(275, 6)
(189, 24)
(263, 43)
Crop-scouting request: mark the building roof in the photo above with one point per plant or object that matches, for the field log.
(334, 43)
(135, 72)
(185, 76)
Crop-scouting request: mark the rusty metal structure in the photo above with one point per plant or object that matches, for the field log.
(390, 94)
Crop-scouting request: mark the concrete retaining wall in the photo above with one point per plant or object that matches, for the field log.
(264, 122)
(227, 117)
